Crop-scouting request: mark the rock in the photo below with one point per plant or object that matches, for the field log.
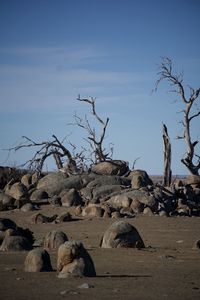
(6, 224)
(85, 286)
(109, 180)
(38, 260)
(137, 206)
(20, 202)
(92, 210)
(54, 183)
(70, 198)
(64, 217)
(163, 213)
(116, 215)
(147, 211)
(102, 192)
(16, 190)
(120, 201)
(38, 195)
(193, 180)
(78, 211)
(54, 239)
(139, 178)
(55, 201)
(143, 197)
(15, 243)
(113, 167)
(27, 207)
(127, 212)
(6, 202)
(74, 260)
(39, 218)
(27, 180)
(122, 234)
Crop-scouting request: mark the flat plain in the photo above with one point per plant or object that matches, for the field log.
(168, 268)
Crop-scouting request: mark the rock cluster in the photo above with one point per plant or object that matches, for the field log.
(109, 190)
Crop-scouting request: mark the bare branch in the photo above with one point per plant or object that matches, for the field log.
(95, 143)
(166, 73)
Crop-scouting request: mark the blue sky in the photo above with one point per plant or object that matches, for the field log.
(51, 51)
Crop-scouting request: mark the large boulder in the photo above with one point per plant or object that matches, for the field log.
(17, 190)
(92, 210)
(109, 180)
(27, 180)
(70, 198)
(74, 260)
(15, 243)
(54, 239)
(139, 178)
(6, 202)
(122, 234)
(143, 197)
(193, 180)
(38, 260)
(102, 192)
(54, 183)
(113, 167)
(120, 201)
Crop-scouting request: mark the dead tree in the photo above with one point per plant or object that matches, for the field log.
(191, 111)
(45, 149)
(96, 143)
(167, 158)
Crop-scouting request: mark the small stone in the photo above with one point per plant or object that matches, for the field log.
(85, 286)
(63, 292)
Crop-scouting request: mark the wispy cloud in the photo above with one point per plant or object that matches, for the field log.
(52, 77)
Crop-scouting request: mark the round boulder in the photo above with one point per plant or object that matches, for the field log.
(139, 179)
(74, 260)
(38, 260)
(54, 239)
(122, 234)
(113, 167)
(15, 243)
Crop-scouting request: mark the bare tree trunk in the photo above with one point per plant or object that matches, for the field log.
(190, 112)
(58, 161)
(167, 158)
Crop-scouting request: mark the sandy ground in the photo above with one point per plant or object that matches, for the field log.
(169, 267)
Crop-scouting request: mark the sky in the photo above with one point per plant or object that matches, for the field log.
(53, 51)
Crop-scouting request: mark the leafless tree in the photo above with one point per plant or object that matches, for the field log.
(191, 111)
(45, 149)
(95, 142)
(69, 161)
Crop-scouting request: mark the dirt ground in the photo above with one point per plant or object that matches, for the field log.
(168, 268)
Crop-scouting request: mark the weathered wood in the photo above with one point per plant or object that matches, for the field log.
(167, 158)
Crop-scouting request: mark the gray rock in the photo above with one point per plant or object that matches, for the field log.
(122, 234)
(15, 243)
(54, 183)
(38, 260)
(54, 239)
(139, 179)
(70, 198)
(74, 260)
